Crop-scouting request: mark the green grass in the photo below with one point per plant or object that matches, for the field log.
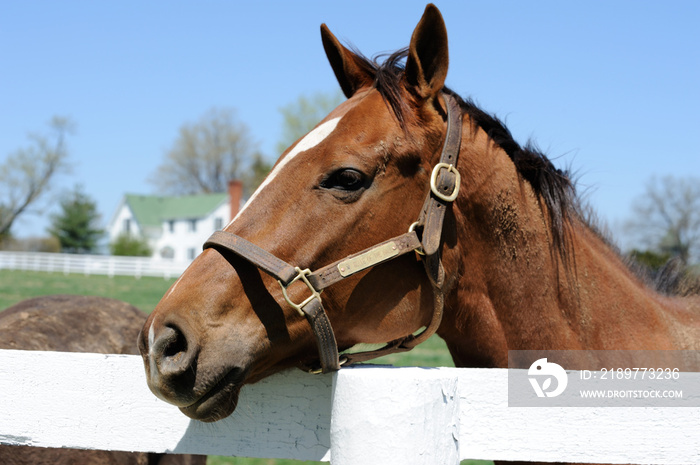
(145, 293)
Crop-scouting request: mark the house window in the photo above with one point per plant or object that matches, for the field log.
(167, 252)
(171, 226)
(191, 253)
(193, 225)
(127, 225)
(218, 224)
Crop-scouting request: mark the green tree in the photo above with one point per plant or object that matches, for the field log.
(255, 175)
(302, 115)
(653, 260)
(76, 224)
(26, 175)
(127, 245)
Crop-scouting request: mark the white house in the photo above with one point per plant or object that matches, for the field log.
(175, 227)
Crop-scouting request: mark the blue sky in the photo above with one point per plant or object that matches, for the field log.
(609, 88)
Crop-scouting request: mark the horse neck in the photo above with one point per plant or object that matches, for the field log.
(515, 292)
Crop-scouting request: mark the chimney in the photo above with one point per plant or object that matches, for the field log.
(235, 195)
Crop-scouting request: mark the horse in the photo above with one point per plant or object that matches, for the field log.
(71, 323)
(407, 211)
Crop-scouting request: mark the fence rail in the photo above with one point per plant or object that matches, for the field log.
(357, 416)
(91, 264)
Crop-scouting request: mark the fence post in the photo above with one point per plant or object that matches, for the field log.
(421, 426)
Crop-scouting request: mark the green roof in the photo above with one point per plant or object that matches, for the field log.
(152, 210)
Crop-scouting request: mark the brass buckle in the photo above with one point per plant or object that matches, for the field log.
(412, 228)
(318, 371)
(433, 182)
(301, 274)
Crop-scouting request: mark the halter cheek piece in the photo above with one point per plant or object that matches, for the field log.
(444, 186)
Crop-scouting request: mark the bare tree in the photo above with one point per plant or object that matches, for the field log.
(26, 175)
(206, 155)
(666, 218)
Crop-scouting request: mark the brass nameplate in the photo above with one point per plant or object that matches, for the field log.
(368, 259)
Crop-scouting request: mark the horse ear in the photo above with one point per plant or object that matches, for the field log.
(347, 66)
(428, 58)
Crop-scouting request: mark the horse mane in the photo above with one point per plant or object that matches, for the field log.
(552, 185)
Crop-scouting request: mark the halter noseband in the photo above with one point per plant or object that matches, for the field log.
(444, 186)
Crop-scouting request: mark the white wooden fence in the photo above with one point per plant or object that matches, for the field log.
(90, 264)
(358, 416)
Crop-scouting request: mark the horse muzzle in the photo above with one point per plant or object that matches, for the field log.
(170, 359)
(175, 374)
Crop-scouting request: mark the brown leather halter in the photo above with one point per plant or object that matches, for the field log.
(444, 186)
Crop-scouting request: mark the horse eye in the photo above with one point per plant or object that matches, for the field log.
(344, 179)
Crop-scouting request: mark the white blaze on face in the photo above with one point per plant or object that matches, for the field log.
(153, 369)
(172, 288)
(309, 141)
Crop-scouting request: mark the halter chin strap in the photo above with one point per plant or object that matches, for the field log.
(444, 186)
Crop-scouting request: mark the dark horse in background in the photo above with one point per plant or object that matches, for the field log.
(522, 268)
(68, 323)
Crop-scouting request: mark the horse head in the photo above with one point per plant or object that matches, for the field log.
(359, 178)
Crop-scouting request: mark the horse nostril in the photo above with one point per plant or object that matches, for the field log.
(171, 351)
(175, 347)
